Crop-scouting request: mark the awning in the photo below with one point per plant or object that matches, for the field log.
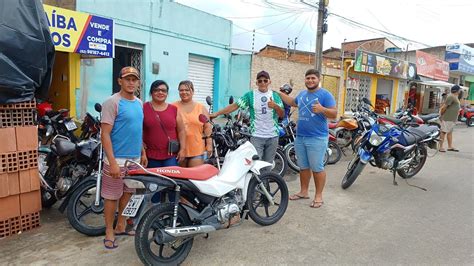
(436, 83)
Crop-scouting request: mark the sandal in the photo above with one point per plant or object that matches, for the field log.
(126, 233)
(298, 197)
(316, 204)
(114, 246)
(442, 150)
(453, 149)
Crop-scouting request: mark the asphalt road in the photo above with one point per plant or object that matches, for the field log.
(373, 222)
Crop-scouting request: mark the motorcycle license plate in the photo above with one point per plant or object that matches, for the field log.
(70, 125)
(133, 205)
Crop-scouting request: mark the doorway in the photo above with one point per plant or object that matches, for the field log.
(127, 56)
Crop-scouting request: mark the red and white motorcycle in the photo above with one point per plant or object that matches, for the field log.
(200, 200)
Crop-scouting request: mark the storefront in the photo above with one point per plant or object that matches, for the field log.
(75, 35)
(433, 74)
(461, 66)
(381, 79)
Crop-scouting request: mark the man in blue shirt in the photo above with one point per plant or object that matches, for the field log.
(122, 126)
(315, 106)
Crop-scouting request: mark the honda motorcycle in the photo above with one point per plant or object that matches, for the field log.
(204, 200)
(402, 151)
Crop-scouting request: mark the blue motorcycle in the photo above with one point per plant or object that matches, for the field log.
(400, 150)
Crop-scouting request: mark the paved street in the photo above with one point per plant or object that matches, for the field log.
(373, 222)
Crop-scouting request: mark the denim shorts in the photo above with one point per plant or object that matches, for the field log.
(310, 152)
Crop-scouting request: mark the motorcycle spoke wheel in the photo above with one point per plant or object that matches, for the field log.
(260, 208)
(416, 164)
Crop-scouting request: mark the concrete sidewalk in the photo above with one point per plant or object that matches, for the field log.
(372, 222)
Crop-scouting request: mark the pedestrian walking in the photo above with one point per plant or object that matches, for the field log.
(449, 112)
(122, 122)
(198, 142)
(315, 106)
(265, 108)
(162, 127)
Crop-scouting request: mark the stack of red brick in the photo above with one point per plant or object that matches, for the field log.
(20, 197)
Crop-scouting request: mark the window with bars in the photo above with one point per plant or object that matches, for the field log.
(357, 87)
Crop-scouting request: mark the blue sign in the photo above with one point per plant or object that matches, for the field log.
(460, 58)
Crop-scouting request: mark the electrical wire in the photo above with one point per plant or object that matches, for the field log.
(295, 16)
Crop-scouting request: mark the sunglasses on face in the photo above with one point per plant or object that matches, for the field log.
(161, 90)
(262, 81)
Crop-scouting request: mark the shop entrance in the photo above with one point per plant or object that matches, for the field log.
(59, 89)
(384, 99)
(127, 56)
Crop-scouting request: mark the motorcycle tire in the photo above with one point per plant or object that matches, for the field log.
(151, 221)
(470, 122)
(280, 164)
(424, 153)
(353, 171)
(72, 215)
(290, 156)
(336, 153)
(254, 194)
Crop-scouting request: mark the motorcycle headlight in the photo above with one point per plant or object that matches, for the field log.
(375, 140)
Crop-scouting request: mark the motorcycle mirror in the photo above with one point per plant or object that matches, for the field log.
(231, 100)
(366, 101)
(203, 118)
(208, 100)
(98, 107)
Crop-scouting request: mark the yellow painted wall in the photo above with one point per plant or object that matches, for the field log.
(65, 81)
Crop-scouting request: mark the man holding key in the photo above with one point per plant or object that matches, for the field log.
(315, 106)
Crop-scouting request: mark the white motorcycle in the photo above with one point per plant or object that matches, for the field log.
(181, 203)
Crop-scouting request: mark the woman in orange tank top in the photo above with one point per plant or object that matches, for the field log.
(197, 149)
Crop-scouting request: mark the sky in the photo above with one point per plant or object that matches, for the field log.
(416, 23)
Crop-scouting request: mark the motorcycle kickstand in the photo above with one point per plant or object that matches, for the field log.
(394, 175)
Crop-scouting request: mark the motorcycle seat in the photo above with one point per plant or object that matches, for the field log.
(200, 173)
(392, 119)
(416, 134)
(427, 117)
(63, 146)
(332, 125)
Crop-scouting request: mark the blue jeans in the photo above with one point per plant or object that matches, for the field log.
(310, 152)
(162, 163)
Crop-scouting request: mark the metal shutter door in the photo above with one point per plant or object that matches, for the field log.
(201, 73)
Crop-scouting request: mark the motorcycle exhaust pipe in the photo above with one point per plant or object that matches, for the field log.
(168, 235)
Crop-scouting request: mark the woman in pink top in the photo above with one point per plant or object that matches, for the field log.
(160, 123)
(198, 148)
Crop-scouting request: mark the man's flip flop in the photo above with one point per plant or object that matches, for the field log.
(316, 204)
(114, 246)
(456, 150)
(298, 197)
(442, 150)
(126, 233)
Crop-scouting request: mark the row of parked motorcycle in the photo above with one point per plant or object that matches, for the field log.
(70, 163)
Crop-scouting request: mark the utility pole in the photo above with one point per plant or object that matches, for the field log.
(321, 29)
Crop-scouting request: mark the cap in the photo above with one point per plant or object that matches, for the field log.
(455, 88)
(264, 74)
(129, 71)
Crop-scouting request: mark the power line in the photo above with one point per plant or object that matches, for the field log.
(295, 16)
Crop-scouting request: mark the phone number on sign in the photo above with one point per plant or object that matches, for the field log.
(93, 52)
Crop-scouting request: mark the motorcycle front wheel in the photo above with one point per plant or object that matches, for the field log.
(260, 208)
(419, 159)
(147, 247)
(353, 171)
(82, 214)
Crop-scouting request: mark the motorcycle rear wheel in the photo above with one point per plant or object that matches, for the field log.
(336, 153)
(256, 199)
(280, 164)
(290, 156)
(415, 168)
(159, 217)
(86, 192)
(353, 171)
(470, 122)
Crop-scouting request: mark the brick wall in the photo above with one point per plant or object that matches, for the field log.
(68, 4)
(330, 59)
(283, 71)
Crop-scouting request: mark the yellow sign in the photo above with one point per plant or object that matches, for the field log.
(77, 32)
(66, 27)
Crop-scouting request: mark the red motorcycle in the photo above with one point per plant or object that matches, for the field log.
(468, 114)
